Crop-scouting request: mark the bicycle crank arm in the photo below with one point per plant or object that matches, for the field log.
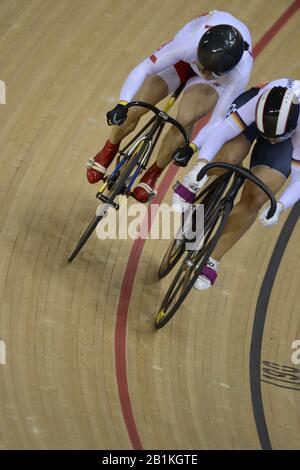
(103, 187)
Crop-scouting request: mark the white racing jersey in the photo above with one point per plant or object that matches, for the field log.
(238, 120)
(184, 47)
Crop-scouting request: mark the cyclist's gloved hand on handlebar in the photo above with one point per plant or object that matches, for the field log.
(185, 192)
(118, 115)
(273, 220)
(182, 155)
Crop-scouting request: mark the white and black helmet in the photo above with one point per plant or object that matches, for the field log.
(277, 113)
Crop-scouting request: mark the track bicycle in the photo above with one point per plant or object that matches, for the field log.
(132, 160)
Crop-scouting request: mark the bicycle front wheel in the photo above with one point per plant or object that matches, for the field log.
(210, 196)
(84, 237)
(117, 189)
(192, 266)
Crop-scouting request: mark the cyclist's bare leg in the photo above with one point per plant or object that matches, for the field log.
(196, 102)
(153, 90)
(245, 212)
(234, 152)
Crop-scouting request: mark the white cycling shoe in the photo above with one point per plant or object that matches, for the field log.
(208, 276)
(185, 192)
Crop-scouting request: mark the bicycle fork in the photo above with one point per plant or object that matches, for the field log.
(234, 189)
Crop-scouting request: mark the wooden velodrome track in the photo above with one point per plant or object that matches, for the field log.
(84, 367)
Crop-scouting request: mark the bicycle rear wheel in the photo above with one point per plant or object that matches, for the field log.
(193, 265)
(174, 252)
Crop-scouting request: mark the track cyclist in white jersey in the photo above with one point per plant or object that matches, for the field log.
(268, 114)
(213, 55)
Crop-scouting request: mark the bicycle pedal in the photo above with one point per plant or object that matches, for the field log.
(106, 200)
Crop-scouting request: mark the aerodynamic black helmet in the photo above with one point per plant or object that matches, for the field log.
(277, 113)
(221, 48)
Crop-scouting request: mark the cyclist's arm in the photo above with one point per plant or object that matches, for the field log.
(226, 129)
(292, 193)
(235, 86)
(164, 57)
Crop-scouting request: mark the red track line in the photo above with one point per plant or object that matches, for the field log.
(122, 314)
(268, 36)
(134, 257)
